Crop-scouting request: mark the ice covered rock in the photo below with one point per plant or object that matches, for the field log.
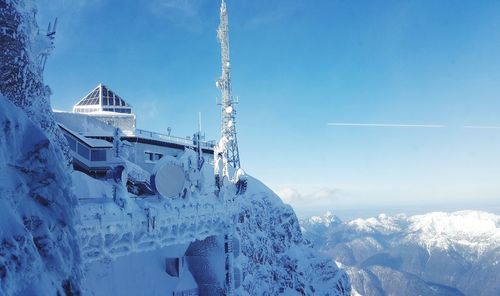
(274, 257)
(39, 254)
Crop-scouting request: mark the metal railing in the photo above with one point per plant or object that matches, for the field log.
(173, 139)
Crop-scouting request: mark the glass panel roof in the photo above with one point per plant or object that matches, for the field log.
(109, 98)
(91, 99)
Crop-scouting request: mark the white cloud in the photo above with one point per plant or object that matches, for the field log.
(184, 13)
(319, 197)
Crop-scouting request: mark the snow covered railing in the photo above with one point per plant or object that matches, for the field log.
(107, 231)
(172, 139)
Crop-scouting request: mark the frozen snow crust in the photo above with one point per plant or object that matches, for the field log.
(274, 258)
(39, 254)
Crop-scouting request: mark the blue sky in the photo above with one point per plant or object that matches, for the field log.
(298, 65)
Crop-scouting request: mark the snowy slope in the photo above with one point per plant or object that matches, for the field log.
(446, 252)
(275, 258)
(39, 254)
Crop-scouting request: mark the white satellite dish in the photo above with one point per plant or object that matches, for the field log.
(230, 123)
(168, 177)
(229, 109)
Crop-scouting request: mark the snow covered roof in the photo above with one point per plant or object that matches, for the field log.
(92, 143)
(83, 124)
(102, 99)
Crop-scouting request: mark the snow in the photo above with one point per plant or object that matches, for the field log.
(86, 187)
(94, 143)
(457, 250)
(473, 230)
(83, 124)
(137, 274)
(274, 257)
(65, 233)
(39, 247)
(476, 231)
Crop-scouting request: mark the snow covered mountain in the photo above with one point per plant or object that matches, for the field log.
(432, 254)
(275, 258)
(39, 253)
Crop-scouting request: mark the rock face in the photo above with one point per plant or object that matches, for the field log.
(20, 67)
(39, 254)
(432, 254)
(274, 257)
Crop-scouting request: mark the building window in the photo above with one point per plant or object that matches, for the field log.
(83, 151)
(98, 155)
(150, 156)
(172, 266)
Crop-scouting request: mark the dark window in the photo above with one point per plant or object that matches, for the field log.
(105, 101)
(83, 151)
(98, 155)
(158, 156)
(148, 156)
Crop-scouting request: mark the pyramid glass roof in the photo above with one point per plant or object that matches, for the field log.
(101, 99)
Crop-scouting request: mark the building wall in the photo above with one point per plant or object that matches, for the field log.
(141, 273)
(126, 122)
(138, 154)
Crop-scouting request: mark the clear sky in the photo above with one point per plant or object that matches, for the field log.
(297, 66)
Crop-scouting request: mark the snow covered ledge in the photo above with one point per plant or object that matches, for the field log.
(107, 231)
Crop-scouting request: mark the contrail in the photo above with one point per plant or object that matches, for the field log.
(387, 125)
(482, 126)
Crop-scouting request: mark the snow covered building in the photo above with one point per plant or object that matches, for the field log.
(92, 126)
(144, 196)
(105, 105)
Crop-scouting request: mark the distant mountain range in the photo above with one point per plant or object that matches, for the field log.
(433, 254)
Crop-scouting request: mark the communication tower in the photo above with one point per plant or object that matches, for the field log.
(228, 111)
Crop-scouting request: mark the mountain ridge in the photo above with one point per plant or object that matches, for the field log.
(458, 250)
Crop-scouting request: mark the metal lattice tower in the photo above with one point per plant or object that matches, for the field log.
(228, 112)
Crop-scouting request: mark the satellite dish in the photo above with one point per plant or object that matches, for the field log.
(229, 109)
(230, 123)
(168, 177)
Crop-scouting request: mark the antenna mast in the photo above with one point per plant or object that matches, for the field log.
(228, 112)
(51, 35)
